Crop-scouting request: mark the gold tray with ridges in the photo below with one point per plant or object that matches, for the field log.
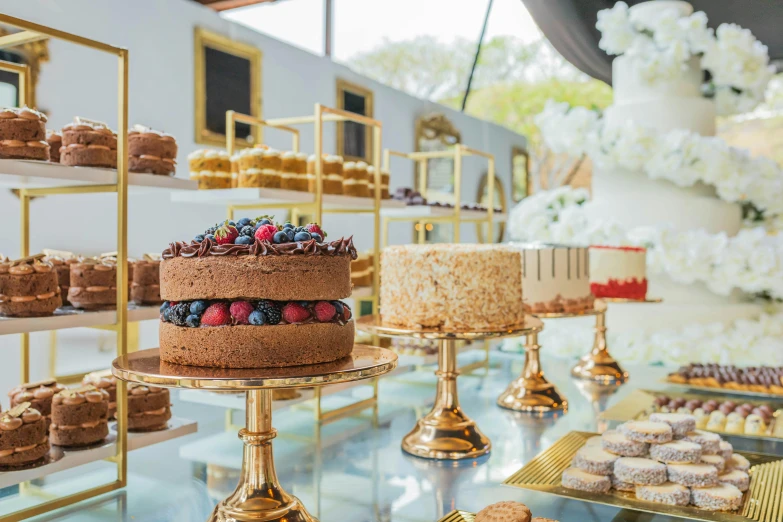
(724, 391)
(763, 502)
(458, 516)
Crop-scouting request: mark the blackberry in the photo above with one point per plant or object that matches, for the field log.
(179, 313)
(247, 230)
(271, 311)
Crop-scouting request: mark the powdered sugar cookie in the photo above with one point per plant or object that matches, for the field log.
(676, 451)
(647, 431)
(615, 442)
(693, 475)
(724, 497)
(679, 422)
(709, 442)
(725, 450)
(638, 471)
(737, 461)
(619, 485)
(575, 478)
(737, 478)
(668, 493)
(594, 460)
(714, 460)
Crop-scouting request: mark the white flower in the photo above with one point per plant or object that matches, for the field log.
(700, 37)
(564, 129)
(616, 30)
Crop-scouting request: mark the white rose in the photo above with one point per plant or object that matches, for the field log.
(616, 30)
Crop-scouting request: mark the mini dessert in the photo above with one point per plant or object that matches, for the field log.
(717, 422)
(723, 497)
(211, 168)
(575, 478)
(451, 286)
(640, 471)
(728, 416)
(151, 151)
(88, 143)
(145, 288)
(668, 493)
(594, 441)
(715, 461)
(61, 261)
(260, 167)
(28, 288)
(738, 479)
(332, 174)
(725, 450)
(693, 475)
(149, 408)
(293, 172)
(104, 380)
(619, 485)
(23, 440)
(594, 460)
(763, 379)
(79, 417)
(38, 394)
(55, 141)
(362, 270)
(738, 462)
(679, 422)
(709, 442)
(385, 185)
(273, 301)
(23, 134)
(235, 168)
(93, 284)
(615, 442)
(619, 272)
(646, 431)
(677, 451)
(355, 180)
(506, 511)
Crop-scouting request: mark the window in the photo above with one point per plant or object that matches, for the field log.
(354, 140)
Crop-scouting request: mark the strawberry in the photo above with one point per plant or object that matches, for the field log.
(226, 234)
(295, 313)
(266, 232)
(240, 311)
(216, 314)
(313, 228)
(324, 311)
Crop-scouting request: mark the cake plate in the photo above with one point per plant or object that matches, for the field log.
(259, 496)
(531, 392)
(446, 432)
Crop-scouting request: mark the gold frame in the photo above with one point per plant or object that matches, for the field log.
(521, 151)
(344, 86)
(34, 52)
(204, 38)
(501, 191)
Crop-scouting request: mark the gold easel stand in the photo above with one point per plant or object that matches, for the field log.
(259, 496)
(446, 432)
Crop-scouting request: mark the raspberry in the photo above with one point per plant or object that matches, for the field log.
(324, 311)
(217, 314)
(346, 312)
(240, 311)
(266, 232)
(295, 313)
(313, 228)
(226, 234)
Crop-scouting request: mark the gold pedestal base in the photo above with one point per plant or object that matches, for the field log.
(598, 365)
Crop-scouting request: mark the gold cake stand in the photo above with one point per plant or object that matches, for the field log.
(446, 432)
(259, 496)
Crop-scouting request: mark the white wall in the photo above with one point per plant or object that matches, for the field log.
(159, 35)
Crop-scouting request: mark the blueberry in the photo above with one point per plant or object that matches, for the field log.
(232, 224)
(199, 238)
(247, 230)
(280, 237)
(257, 317)
(243, 240)
(198, 307)
(288, 225)
(302, 236)
(289, 232)
(243, 222)
(317, 237)
(211, 237)
(338, 306)
(165, 305)
(167, 315)
(304, 304)
(264, 221)
(193, 321)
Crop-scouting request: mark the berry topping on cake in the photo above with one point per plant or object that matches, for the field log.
(240, 311)
(192, 321)
(198, 307)
(313, 228)
(346, 312)
(324, 311)
(257, 318)
(295, 313)
(302, 236)
(226, 234)
(270, 310)
(178, 313)
(266, 233)
(217, 314)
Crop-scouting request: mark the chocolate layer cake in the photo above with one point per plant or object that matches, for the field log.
(23, 440)
(55, 141)
(151, 151)
(28, 288)
(93, 285)
(88, 143)
(62, 261)
(23, 134)
(145, 288)
(149, 408)
(38, 394)
(79, 417)
(104, 380)
(253, 294)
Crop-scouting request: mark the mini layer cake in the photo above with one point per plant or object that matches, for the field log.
(38, 394)
(23, 134)
(252, 294)
(88, 143)
(355, 180)
(28, 288)
(55, 141)
(384, 182)
(145, 288)
(332, 174)
(555, 279)
(211, 168)
(260, 167)
(452, 286)
(385, 177)
(293, 171)
(361, 270)
(104, 380)
(23, 440)
(149, 408)
(93, 284)
(61, 261)
(151, 151)
(79, 417)
(618, 272)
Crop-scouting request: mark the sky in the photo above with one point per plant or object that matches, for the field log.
(361, 25)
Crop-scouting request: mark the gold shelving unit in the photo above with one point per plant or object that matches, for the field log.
(31, 32)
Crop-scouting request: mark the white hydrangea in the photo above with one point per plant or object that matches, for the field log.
(617, 33)
(564, 129)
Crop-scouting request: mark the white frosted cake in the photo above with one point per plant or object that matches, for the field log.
(618, 272)
(555, 278)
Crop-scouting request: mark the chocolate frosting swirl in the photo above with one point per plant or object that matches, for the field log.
(208, 247)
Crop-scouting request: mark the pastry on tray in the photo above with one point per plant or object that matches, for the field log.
(79, 417)
(758, 379)
(88, 143)
(145, 285)
(61, 261)
(211, 168)
(39, 394)
(93, 284)
(151, 151)
(104, 380)
(23, 439)
(149, 408)
(55, 141)
(23, 134)
(28, 288)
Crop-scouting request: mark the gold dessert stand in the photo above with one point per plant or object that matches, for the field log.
(532, 392)
(446, 432)
(259, 496)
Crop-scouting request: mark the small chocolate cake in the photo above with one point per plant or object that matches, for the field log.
(79, 417)
(149, 408)
(28, 288)
(88, 143)
(93, 284)
(104, 380)
(62, 261)
(38, 394)
(151, 151)
(23, 441)
(55, 141)
(145, 288)
(23, 134)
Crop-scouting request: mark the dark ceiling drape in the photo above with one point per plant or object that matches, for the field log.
(570, 26)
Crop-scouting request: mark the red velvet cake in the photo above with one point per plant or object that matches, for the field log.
(253, 294)
(618, 272)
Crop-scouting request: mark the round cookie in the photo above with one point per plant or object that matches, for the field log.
(680, 423)
(693, 475)
(619, 485)
(645, 472)
(506, 511)
(676, 451)
(575, 478)
(737, 461)
(668, 493)
(615, 442)
(594, 460)
(709, 442)
(725, 450)
(593, 441)
(647, 431)
(723, 497)
(714, 460)
(737, 478)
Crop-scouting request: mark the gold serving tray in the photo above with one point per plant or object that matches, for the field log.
(763, 502)
(724, 391)
(640, 401)
(458, 516)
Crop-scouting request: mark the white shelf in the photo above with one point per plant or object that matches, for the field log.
(68, 317)
(73, 458)
(428, 211)
(41, 174)
(271, 196)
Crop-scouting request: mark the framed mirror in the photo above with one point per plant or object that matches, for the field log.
(482, 198)
(354, 140)
(521, 184)
(227, 77)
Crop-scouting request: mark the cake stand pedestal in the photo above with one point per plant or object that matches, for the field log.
(599, 365)
(532, 392)
(446, 432)
(259, 496)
